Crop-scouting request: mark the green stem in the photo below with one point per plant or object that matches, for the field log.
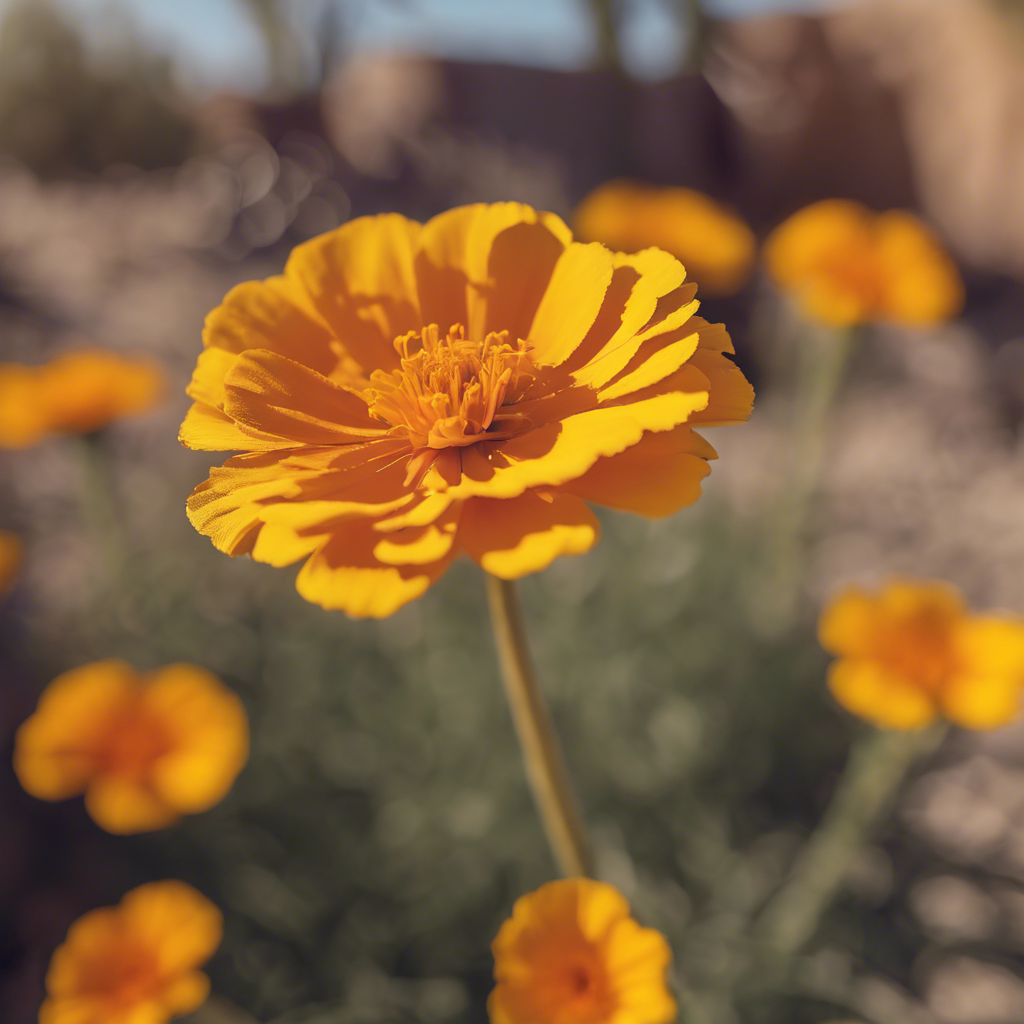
(877, 765)
(545, 767)
(98, 504)
(823, 360)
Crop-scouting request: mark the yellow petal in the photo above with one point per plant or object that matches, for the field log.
(656, 477)
(731, 396)
(981, 702)
(276, 395)
(56, 749)
(486, 266)
(359, 280)
(849, 623)
(207, 429)
(511, 538)
(419, 545)
(571, 303)
(563, 451)
(185, 993)
(599, 907)
(228, 507)
(124, 805)
(867, 690)
(658, 364)
(646, 298)
(344, 574)
(23, 417)
(921, 284)
(990, 645)
(209, 732)
(266, 315)
(179, 923)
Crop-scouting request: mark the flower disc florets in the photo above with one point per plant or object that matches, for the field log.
(449, 391)
(379, 449)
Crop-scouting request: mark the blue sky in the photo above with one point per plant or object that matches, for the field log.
(214, 45)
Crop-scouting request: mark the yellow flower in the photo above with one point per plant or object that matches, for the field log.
(715, 246)
(847, 265)
(145, 749)
(407, 392)
(913, 652)
(134, 963)
(75, 393)
(11, 553)
(571, 954)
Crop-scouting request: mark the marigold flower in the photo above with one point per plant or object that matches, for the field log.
(571, 954)
(913, 652)
(846, 264)
(134, 963)
(145, 749)
(11, 552)
(407, 392)
(715, 246)
(75, 393)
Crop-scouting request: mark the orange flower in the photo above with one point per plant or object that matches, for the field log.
(145, 749)
(11, 552)
(75, 393)
(913, 652)
(134, 963)
(571, 954)
(715, 246)
(407, 392)
(847, 265)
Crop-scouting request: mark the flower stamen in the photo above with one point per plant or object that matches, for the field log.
(449, 390)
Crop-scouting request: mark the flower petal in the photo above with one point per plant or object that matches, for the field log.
(849, 625)
(558, 452)
(359, 280)
(656, 477)
(207, 429)
(646, 287)
(275, 395)
(124, 805)
(209, 731)
(867, 690)
(486, 266)
(990, 645)
(56, 749)
(921, 285)
(179, 923)
(571, 302)
(982, 702)
(229, 506)
(266, 314)
(345, 574)
(511, 538)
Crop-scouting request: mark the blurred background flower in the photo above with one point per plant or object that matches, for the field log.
(913, 652)
(144, 749)
(715, 246)
(845, 265)
(136, 961)
(76, 392)
(571, 953)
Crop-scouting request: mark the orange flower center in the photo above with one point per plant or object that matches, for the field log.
(574, 991)
(854, 269)
(449, 391)
(919, 650)
(123, 976)
(134, 740)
